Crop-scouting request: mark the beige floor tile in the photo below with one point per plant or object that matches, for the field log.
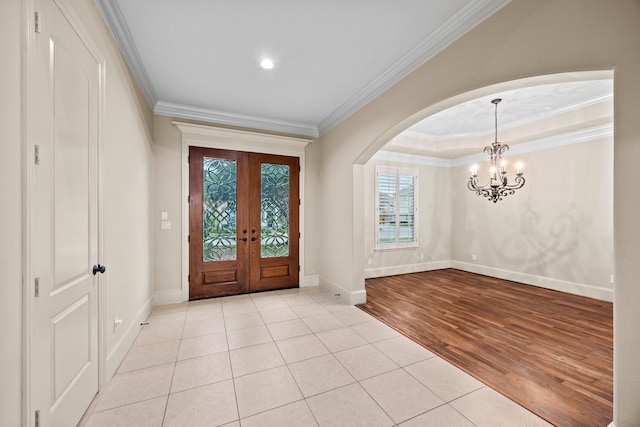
(293, 300)
(278, 315)
(199, 371)
(348, 406)
(444, 415)
(295, 414)
(145, 356)
(135, 386)
(149, 413)
(403, 351)
(170, 308)
(375, 331)
(206, 406)
(204, 312)
(352, 316)
(301, 348)
(233, 424)
(365, 362)
(157, 333)
(488, 408)
(400, 395)
(268, 302)
(248, 336)
(202, 327)
(167, 318)
(265, 390)
(336, 306)
(242, 321)
(256, 358)
(288, 329)
(443, 378)
(320, 374)
(323, 322)
(239, 307)
(341, 339)
(309, 310)
(202, 345)
(205, 302)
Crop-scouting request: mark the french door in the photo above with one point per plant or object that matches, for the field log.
(243, 222)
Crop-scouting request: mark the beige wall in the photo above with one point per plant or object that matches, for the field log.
(557, 231)
(434, 223)
(10, 213)
(526, 38)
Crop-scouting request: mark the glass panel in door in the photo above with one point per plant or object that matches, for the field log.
(274, 210)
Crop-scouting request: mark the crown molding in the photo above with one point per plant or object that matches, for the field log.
(555, 141)
(574, 137)
(458, 24)
(113, 17)
(221, 117)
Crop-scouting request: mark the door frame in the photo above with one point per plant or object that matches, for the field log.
(28, 55)
(235, 140)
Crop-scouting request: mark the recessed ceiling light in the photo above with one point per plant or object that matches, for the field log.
(267, 64)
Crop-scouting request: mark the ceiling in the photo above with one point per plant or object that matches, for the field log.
(199, 59)
(526, 115)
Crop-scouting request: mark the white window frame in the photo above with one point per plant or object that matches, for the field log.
(398, 172)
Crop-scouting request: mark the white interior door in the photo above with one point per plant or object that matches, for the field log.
(63, 105)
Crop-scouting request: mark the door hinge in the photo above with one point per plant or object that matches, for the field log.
(299, 202)
(36, 287)
(298, 268)
(299, 168)
(36, 154)
(188, 199)
(36, 22)
(37, 418)
(299, 235)
(188, 239)
(189, 278)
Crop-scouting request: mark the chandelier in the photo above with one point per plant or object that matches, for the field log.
(498, 186)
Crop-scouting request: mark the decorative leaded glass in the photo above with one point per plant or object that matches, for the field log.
(274, 210)
(218, 209)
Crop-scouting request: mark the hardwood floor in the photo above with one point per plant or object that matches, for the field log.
(549, 351)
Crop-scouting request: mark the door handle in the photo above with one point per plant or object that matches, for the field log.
(98, 269)
(244, 239)
(253, 239)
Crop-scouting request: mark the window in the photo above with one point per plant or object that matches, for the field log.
(396, 208)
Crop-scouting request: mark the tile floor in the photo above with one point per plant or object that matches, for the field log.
(294, 357)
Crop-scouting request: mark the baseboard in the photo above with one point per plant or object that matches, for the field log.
(119, 351)
(170, 296)
(350, 297)
(611, 424)
(543, 282)
(406, 268)
(310, 280)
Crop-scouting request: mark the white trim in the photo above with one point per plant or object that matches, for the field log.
(120, 349)
(406, 268)
(350, 297)
(113, 17)
(170, 109)
(555, 141)
(168, 296)
(582, 289)
(310, 280)
(465, 19)
(231, 139)
(414, 159)
(611, 424)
